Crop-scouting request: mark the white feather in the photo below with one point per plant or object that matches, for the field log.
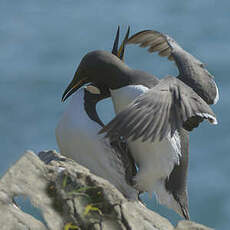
(209, 117)
(167, 199)
(155, 160)
(77, 138)
(217, 94)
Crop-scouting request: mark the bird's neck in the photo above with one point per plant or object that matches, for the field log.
(90, 102)
(82, 102)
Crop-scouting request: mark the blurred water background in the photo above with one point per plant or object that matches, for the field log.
(42, 42)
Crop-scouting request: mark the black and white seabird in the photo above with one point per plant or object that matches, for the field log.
(160, 115)
(77, 136)
(153, 114)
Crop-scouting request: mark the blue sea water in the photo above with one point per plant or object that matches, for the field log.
(42, 42)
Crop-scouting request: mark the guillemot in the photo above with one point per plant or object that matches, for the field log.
(162, 156)
(143, 119)
(77, 136)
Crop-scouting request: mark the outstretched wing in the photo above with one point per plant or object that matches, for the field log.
(156, 41)
(192, 71)
(167, 107)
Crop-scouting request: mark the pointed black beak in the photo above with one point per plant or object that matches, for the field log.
(116, 42)
(77, 82)
(120, 52)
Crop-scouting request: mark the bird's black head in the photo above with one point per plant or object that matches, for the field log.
(101, 68)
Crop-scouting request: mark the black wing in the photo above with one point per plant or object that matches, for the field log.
(192, 71)
(176, 183)
(168, 106)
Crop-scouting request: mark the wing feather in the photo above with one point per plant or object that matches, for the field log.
(169, 106)
(191, 70)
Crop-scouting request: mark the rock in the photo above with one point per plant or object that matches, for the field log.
(27, 177)
(70, 197)
(189, 225)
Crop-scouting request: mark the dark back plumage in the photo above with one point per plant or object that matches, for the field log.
(176, 183)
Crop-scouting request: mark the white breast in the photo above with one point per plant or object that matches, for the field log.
(77, 138)
(155, 160)
(125, 95)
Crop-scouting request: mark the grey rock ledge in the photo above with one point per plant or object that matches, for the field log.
(70, 197)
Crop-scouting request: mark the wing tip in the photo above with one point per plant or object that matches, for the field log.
(209, 117)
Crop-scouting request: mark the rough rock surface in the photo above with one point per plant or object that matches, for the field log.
(70, 197)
